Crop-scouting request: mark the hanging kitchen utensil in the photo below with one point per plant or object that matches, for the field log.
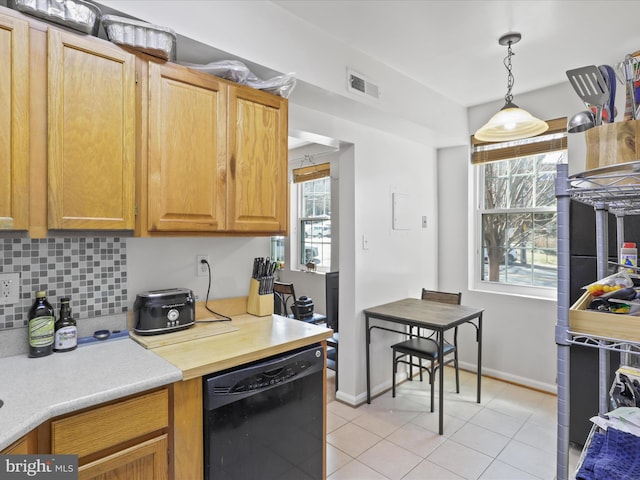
(581, 121)
(630, 78)
(628, 74)
(621, 74)
(609, 76)
(590, 87)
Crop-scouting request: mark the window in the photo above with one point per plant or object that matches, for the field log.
(314, 216)
(310, 241)
(516, 219)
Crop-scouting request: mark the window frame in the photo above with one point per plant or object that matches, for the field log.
(557, 136)
(301, 220)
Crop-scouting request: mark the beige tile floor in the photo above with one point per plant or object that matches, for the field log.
(511, 435)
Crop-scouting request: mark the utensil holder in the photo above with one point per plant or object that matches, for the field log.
(612, 144)
(259, 305)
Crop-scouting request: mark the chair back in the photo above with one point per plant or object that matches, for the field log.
(331, 299)
(442, 297)
(284, 298)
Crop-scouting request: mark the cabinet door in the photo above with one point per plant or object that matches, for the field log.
(186, 171)
(14, 124)
(145, 461)
(258, 190)
(25, 446)
(91, 145)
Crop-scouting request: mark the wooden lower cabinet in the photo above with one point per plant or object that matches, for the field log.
(125, 439)
(25, 446)
(145, 461)
(188, 447)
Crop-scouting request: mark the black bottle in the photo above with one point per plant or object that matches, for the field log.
(41, 326)
(66, 333)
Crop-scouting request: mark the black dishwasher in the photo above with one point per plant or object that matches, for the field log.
(264, 420)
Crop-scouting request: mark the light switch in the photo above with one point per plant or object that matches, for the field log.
(365, 242)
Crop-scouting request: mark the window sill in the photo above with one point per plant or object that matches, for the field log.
(548, 294)
(301, 270)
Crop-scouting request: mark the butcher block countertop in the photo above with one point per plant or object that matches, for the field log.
(213, 347)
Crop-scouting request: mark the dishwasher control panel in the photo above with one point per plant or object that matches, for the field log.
(267, 379)
(225, 387)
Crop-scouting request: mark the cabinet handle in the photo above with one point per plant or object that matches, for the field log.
(232, 166)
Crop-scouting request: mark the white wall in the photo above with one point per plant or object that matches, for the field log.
(155, 263)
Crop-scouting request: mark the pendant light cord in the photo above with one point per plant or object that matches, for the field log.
(510, 80)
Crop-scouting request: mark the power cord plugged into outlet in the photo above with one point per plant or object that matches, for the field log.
(204, 261)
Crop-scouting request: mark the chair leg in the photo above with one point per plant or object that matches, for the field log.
(455, 358)
(455, 363)
(393, 375)
(432, 381)
(419, 359)
(410, 369)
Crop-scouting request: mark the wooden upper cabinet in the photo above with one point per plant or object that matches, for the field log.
(14, 124)
(186, 167)
(258, 196)
(91, 138)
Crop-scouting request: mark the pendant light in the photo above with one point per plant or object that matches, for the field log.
(511, 122)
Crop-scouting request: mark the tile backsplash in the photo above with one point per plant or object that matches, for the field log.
(92, 271)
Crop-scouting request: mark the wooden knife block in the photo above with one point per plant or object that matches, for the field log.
(613, 143)
(259, 305)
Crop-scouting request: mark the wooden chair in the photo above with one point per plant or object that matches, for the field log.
(426, 348)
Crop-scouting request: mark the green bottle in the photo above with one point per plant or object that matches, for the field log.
(41, 326)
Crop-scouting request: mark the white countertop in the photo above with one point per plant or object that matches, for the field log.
(36, 389)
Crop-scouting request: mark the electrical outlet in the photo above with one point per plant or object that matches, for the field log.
(201, 268)
(9, 288)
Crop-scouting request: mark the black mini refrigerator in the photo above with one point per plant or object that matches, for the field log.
(264, 420)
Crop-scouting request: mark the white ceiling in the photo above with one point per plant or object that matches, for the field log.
(452, 46)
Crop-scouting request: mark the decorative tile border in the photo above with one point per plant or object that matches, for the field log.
(91, 271)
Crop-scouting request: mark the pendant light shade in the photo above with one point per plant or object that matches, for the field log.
(511, 122)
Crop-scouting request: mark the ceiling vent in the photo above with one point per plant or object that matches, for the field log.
(360, 85)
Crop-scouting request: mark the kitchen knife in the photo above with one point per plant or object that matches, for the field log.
(254, 274)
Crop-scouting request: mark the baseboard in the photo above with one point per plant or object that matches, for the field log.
(510, 378)
(381, 388)
(356, 401)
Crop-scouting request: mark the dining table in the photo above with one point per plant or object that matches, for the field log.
(436, 316)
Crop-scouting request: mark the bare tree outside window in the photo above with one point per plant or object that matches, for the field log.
(518, 219)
